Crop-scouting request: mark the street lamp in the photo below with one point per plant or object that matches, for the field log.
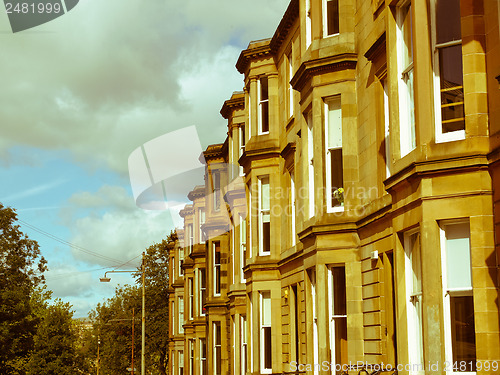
(143, 346)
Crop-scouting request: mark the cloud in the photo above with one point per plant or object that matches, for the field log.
(111, 75)
(34, 191)
(108, 223)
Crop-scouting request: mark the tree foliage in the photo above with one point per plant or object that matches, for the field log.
(21, 271)
(113, 319)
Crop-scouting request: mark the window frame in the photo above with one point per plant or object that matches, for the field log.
(310, 163)
(243, 345)
(265, 294)
(181, 362)
(263, 103)
(203, 356)
(191, 298)
(180, 308)
(243, 246)
(216, 183)
(333, 318)
(217, 268)
(330, 207)
(407, 123)
(263, 213)
(326, 18)
(441, 137)
(217, 326)
(202, 274)
(455, 292)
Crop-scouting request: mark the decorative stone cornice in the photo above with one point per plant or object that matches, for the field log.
(213, 152)
(197, 192)
(256, 49)
(291, 14)
(377, 48)
(323, 65)
(187, 210)
(237, 101)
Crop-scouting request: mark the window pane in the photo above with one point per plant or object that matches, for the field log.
(339, 291)
(334, 124)
(448, 21)
(265, 199)
(264, 106)
(264, 93)
(458, 257)
(267, 347)
(266, 308)
(407, 34)
(463, 331)
(333, 16)
(337, 174)
(341, 340)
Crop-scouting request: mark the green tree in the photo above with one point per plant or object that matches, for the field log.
(54, 343)
(21, 271)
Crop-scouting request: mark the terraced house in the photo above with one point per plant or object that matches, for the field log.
(352, 214)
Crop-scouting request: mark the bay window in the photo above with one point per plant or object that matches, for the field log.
(217, 268)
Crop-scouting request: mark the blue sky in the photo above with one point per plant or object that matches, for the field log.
(80, 93)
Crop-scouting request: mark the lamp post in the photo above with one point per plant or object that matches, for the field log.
(143, 346)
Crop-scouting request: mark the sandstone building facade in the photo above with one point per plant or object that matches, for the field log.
(352, 214)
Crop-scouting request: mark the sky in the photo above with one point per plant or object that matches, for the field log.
(80, 93)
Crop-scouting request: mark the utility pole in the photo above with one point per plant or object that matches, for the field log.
(133, 324)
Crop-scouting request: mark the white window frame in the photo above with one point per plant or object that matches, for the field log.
(325, 18)
(217, 347)
(244, 345)
(181, 261)
(180, 307)
(407, 126)
(387, 134)
(265, 294)
(261, 103)
(191, 298)
(172, 314)
(332, 316)
(440, 136)
(414, 312)
(243, 245)
(190, 237)
(181, 362)
(217, 269)
(250, 303)
(203, 358)
(263, 213)
(173, 361)
(335, 100)
(310, 163)
(202, 289)
(315, 321)
(241, 136)
(308, 23)
(216, 177)
(250, 220)
(201, 218)
(191, 356)
(448, 292)
(289, 59)
(293, 229)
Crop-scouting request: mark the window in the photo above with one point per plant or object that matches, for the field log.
(310, 164)
(217, 349)
(180, 303)
(216, 189)
(387, 139)
(405, 71)
(181, 261)
(251, 210)
(308, 24)
(244, 343)
(263, 105)
(181, 362)
(191, 356)
(203, 290)
(264, 216)
(242, 136)
(203, 357)
(243, 246)
(201, 215)
(172, 314)
(413, 278)
(312, 278)
(295, 308)
(265, 332)
(250, 304)
(289, 85)
(191, 298)
(460, 334)
(217, 268)
(333, 157)
(330, 17)
(448, 71)
(173, 361)
(338, 317)
(293, 231)
(190, 237)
